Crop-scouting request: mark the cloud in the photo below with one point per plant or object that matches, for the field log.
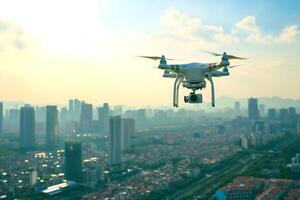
(12, 36)
(226, 38)
(248, 24)
(289, 34)
(174, 19)
(258, 38)
(193, 27)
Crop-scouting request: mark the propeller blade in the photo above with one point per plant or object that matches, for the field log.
(155, 57)
(213, 53)
(235, 57)
(150, 57)
(233, 66)
(228, 56)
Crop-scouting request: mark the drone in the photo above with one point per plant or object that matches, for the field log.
(193, 75)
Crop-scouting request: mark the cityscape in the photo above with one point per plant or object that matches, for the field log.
(83, 151)
(149, 100)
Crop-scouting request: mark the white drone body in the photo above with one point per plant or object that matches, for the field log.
(194, 75)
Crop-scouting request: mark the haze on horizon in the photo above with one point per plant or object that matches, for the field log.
(51, 51)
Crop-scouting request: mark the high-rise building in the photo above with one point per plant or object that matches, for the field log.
(51, 126)
(262, 109)
(77, 109)
(118, 110)
(103, 117)
(63, 114)
(253, 113)
(283, 114)
(237, 107)
(40, 114)
(114, 140)
(73, 161)
(86, 117)
(71, 105)
(27, 127)
(292, 116)
(71, 109)
(1, 118)
(13, 121)
(128, 129)
(272, 115)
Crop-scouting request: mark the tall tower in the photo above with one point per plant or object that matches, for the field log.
(86, 117)
(253, 113)
(77, 109)
(71, 109)
(103, 117)
(272, 115)
(114, 140)
(73, 161)
(51, 126)
(128, 129)
(27, 127)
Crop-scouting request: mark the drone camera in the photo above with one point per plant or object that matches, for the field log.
(193, 98)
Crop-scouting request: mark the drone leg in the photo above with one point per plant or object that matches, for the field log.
(212, 91)
(175, 93)
(177, 88)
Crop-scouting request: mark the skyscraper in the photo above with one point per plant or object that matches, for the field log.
(13, 124)
(86, 117)
(73, 161)
(262, 109)
(253, 113)
(27, 127)
(114, 140)
(103, 117)
(77, 109)
(1, 118)
(71, 109)
(283, 114)
(272, 114)
(51, 126)
(128, 129)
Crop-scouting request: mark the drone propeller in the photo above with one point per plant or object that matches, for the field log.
(228, 56)
(155, 57)
(233, 66)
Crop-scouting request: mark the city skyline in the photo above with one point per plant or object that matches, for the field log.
(47, 57)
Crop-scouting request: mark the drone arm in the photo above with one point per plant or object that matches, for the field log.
(219, 73)
(212, 90)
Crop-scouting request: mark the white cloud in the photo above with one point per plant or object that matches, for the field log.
(255, 35)
(258, 38)
(192, 27)
(248, 24)
(174, 19)
(226, 38)
(289, 34)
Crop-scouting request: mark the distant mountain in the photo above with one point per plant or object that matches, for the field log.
(269, 102)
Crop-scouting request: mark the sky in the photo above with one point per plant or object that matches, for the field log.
(53, 50)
